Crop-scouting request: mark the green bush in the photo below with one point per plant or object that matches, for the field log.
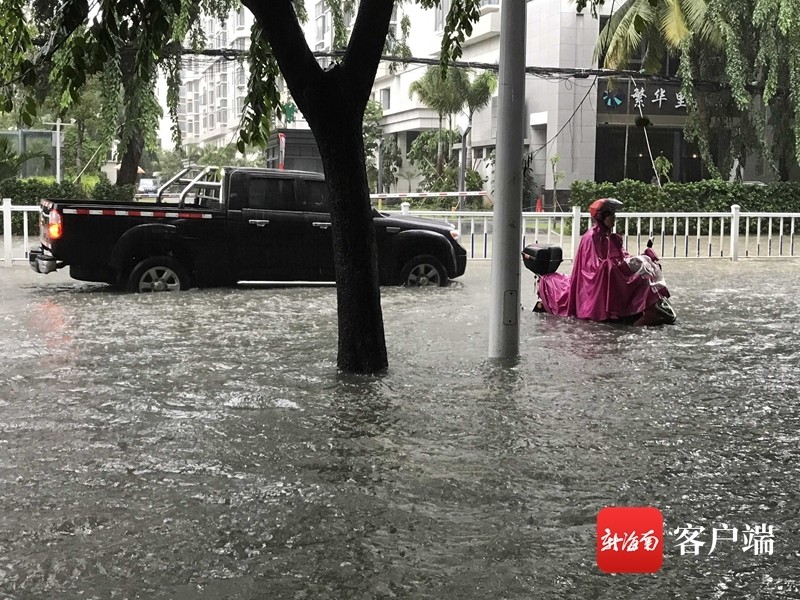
(29, 192)
(105, 191)
(709, 195)
(701, 196)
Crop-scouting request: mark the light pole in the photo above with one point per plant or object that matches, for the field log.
(465, 129)
(57, 143)
(507, 237)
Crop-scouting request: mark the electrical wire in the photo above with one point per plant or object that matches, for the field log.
(572, 116)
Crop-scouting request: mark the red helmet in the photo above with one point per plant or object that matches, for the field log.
(599, 208)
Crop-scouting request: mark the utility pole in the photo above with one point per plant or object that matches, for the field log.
(57, 144)
(507, 236)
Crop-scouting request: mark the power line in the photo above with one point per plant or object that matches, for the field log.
(577, 73)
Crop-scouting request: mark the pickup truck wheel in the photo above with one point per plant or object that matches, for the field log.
(158, 274)
(423, 271)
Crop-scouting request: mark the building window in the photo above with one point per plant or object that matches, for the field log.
(321, 28)
(386, 98)
(323, 61)
(222, 113)
(240, 22)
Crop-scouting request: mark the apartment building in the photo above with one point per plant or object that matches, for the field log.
(214, 88)
(577, 128)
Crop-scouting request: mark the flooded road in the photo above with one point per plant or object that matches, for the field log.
(201, 445)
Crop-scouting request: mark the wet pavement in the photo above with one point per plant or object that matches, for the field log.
(201, 445)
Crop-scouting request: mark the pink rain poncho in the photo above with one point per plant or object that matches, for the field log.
(601, 286)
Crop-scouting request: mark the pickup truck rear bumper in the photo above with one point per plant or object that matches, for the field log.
(42, 262)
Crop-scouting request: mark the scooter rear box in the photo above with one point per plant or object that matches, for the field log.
(542, 259)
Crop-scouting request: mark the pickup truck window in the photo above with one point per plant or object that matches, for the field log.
(271, 194)
(314, 196)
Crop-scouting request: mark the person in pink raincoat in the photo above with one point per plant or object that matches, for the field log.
(650, 253)
(602, 287)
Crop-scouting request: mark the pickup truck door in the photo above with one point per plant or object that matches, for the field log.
(314, 196)
(272, 246)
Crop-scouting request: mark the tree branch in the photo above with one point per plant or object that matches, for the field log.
(287, 41)
(366, 45)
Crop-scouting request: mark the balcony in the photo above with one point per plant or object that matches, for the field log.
(489, 6)
(488, 26)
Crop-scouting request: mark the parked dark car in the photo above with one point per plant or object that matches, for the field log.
(232, 225)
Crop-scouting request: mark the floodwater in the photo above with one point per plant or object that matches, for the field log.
(201, 445)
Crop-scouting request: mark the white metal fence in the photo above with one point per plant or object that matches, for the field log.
(675, 235)
(16, 249)
(732, 235)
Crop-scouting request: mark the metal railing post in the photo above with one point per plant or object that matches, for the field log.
(735, 232)
(576, 228)
(7, 258)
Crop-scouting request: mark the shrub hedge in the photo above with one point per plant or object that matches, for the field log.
(701, 196)
(29, 192)
(707, 195)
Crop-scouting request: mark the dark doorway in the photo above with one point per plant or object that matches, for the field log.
(610, 164)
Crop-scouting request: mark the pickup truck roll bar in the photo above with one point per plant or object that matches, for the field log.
(201, 180)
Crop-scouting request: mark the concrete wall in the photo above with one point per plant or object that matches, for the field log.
(560, 37)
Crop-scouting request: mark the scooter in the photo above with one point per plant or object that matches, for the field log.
(543, 261)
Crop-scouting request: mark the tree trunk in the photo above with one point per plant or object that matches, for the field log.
(134, 145)
(439, 149)
(362, 346)
(333, 102)
(132, 154)
(468, 141)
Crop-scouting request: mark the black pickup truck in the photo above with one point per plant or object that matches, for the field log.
(227, 226)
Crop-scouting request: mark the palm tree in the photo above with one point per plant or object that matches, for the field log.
(660, 26)
(11, 162)
(443, 93)
(477, 95)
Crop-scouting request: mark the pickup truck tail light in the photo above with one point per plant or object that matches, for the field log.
(55, 227)
(454, 234)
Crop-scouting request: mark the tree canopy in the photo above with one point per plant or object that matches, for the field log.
(122, 44)
(739, 65)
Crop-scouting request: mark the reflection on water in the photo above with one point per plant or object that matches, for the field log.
(201, 445)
